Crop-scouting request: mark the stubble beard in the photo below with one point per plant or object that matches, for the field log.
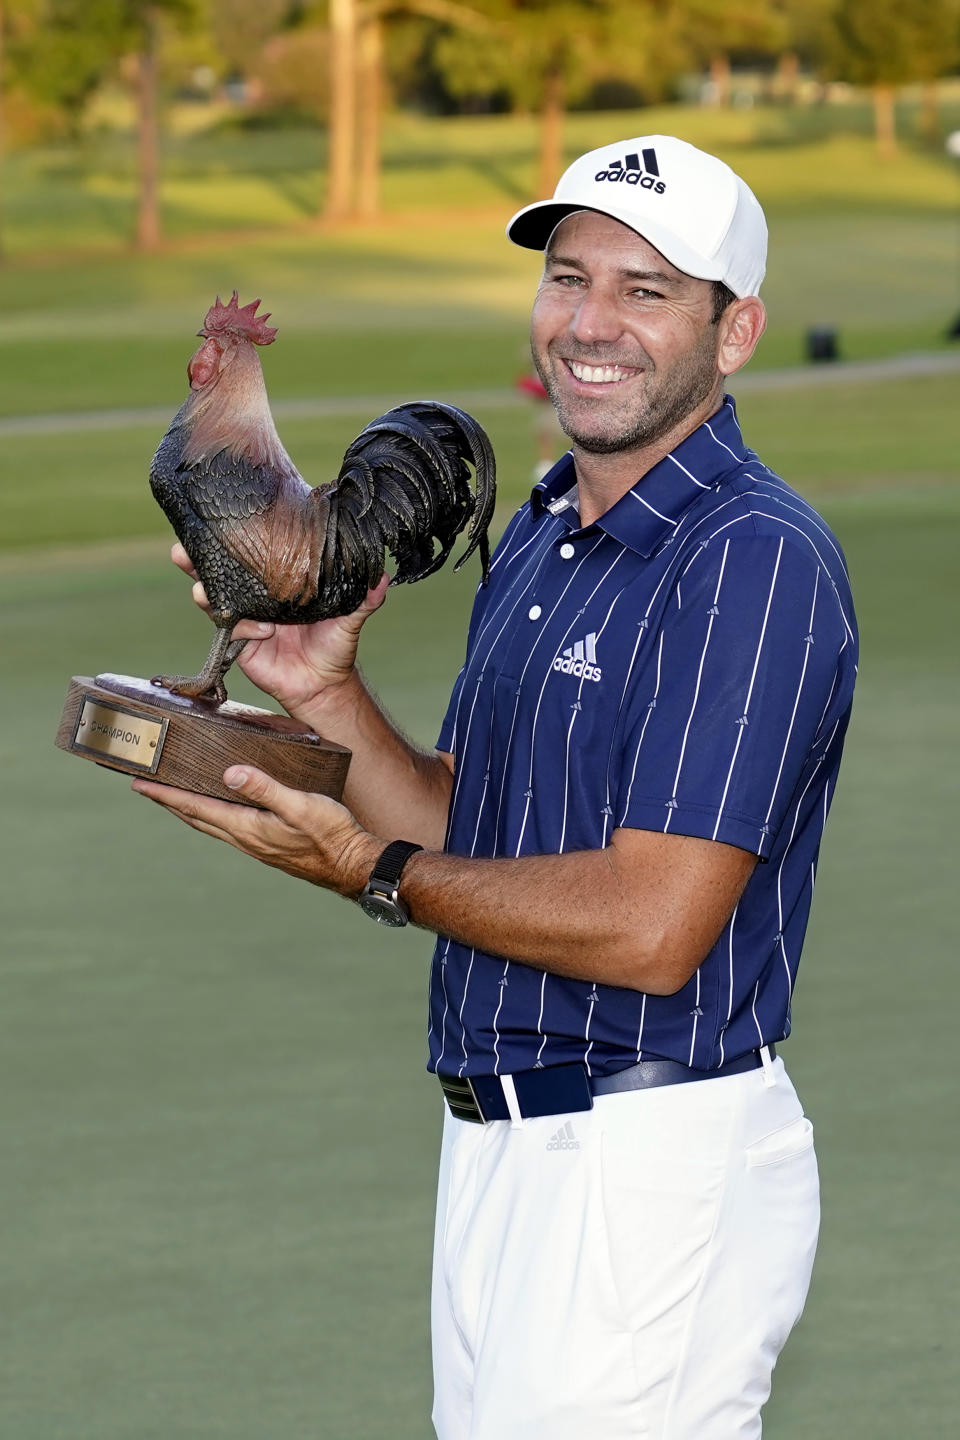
(666, 403)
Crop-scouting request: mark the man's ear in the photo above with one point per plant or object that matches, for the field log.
(740, 326)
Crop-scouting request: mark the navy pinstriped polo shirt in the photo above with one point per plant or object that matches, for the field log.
(687, 665)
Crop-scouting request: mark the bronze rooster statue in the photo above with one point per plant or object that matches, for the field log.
(268, 546)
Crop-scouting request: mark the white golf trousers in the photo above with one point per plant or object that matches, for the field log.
(632, 1270)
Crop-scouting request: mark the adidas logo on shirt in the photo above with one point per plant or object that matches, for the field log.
(629, 171)
(564, 1139)
(580, 660)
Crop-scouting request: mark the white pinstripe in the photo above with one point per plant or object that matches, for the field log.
(713, 436)
(652, 508)
(730, 924)
(689, 473)
(543, 989)
(496, 1032)
(696, 693)
(643, 728)
(796, 702)
(643, 1016)
(463, 1028)
(746, 708)
(696, 1018)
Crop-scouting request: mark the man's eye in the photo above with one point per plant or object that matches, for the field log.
(648, 294)
(570, 280)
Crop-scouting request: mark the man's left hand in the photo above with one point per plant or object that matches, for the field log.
(309, 836)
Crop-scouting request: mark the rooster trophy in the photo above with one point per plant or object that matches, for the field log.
(268, 546)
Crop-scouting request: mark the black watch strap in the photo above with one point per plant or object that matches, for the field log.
(389, 867)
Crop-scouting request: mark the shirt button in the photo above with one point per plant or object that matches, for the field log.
(534, 612)
(567, 551)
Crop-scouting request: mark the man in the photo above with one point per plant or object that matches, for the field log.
(657, 685)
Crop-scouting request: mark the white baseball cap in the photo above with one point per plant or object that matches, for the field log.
(691, 206)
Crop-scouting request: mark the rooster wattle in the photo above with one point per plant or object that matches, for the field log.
(268, 546)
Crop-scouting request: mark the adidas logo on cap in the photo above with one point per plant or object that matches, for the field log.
(629, 171)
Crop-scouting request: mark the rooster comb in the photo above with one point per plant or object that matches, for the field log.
(234, 319)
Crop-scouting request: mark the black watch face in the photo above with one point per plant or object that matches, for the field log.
(382, 909)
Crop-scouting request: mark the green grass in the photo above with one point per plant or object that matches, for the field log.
(220, 1142)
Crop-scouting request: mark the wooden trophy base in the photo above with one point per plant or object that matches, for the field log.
(131, 725)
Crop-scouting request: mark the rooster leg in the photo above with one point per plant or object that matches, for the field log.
(233, 650)
(209, 683)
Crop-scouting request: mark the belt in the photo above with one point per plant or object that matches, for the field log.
(563, 1089)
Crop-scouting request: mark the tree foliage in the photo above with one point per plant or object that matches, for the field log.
(76, 43)
(886, 42)
(241, 28)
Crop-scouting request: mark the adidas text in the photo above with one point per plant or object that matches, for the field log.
(568, 666)
(633, 177)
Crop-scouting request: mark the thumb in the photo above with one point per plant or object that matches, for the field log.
(295, 807)
(375, 596)
(256, 785)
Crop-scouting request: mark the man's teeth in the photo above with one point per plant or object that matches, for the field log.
(599, 374)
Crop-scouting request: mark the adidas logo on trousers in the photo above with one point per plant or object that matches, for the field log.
(564, 1139)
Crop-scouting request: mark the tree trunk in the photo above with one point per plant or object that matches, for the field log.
(930, 110)
(369, 115)
(341, 129)
(720, 80)
(551, 130)
(885, 120)
(2, 136)
(148, 214)
(785, 81)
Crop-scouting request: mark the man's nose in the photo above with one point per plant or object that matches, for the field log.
(597, 317)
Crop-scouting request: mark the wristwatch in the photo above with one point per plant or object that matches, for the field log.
(379, 898)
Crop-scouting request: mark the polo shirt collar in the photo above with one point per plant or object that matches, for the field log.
(650, 511)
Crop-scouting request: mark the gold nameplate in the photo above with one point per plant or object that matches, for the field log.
(119, 733)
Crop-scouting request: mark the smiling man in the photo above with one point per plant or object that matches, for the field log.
(615, 843)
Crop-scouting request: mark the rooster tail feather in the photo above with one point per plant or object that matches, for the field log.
(405, 486)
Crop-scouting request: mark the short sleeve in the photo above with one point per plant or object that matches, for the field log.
(744, 679)
(448, 730)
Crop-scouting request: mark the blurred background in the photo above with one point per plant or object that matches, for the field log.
(218, 1170)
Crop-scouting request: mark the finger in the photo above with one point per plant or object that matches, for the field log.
(200, 596)
(373, 600)
(238, 821)
(252, 630)
(182, 560)
(296, 808)
(377, 595)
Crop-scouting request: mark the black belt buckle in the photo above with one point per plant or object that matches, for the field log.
(461, 1099)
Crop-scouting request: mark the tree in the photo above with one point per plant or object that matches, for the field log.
(140, 25)
(241, 28)
(356, 86)
(712, 30)
(78, 43)
(547, 53)
(883, 44)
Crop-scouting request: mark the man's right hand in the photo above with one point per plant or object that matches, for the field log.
(301, 666)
